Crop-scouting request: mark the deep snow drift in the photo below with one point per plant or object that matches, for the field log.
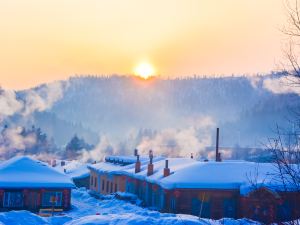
(111, 211)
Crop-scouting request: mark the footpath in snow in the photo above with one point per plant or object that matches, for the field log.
(90, 211)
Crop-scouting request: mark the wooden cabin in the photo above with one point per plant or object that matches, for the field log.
(107, 177)
(224, 189)
(211, 189)
(29, 184)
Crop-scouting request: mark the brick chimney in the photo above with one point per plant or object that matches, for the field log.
(218, 154)
(150, 165)
(137, 164)
(166, 169)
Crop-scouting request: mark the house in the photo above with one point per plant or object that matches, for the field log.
(77, 171)
(101, 179)
(144, 184)
(29, 184)
(232, 189)
(80, 176)
(111, 175)
(213, 189)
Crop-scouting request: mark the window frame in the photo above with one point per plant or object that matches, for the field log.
(48, 204)
(9, 202)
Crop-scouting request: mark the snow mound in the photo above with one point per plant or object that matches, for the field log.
(21, 218)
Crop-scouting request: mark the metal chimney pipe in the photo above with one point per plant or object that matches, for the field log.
(151, 156)
(217, 146)
(167, 164)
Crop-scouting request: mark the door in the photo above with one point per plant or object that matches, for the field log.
(33, 200)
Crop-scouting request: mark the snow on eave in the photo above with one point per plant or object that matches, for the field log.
(117, 169)
(175, 164)
(23, 171)
(215, 175)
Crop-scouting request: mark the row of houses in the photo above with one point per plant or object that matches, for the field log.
(211, 189)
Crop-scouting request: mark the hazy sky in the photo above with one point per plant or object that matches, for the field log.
(46, 40)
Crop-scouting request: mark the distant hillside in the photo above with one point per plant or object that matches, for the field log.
(115, 106)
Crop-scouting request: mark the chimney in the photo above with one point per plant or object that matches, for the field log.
(150, 165)
(192, 156)
(137, 164)
(135, 152)
(218, 155)
(166, 169)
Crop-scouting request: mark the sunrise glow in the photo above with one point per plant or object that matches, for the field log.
(144, 70)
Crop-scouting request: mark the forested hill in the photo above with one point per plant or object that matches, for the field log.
(244, 109)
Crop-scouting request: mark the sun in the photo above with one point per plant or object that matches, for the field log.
(144, 70)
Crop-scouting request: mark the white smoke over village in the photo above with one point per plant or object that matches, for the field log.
(116, 115)
(180, 142)
(13, 138)
(102, 149)
(38, 99)
(43, 98)
(282, 85)
(9, 104)
(12, 141)
(166, 142)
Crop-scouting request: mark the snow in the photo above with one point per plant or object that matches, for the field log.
(175, 164)
(123, 159)
(113, 168)
(80, 172)
(74, 169)
(110, 211)
(189, 173)
(25, 172)
(219, 175)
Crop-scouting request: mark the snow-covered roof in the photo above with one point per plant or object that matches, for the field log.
(115, 168)
(122, 159)
(25, 172)
(78, 173)
(220, 175)
(175, 164)
(189, 173)
(73, 169)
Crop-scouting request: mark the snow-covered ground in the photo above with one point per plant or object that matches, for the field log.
(90, 211)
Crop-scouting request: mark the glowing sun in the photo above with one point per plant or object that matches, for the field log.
(144, 70)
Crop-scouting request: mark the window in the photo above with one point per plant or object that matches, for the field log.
(111, 187)
(95, 184)
(116, 187)
(92, 179)
(284, 211)
(229, 208)
(107, 186)
(48, 198)
(173, 205)
(13, 199)
(103, 185)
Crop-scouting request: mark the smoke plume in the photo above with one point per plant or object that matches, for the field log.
(282, 85)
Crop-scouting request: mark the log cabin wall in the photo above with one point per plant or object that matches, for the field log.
(268, 207)
(34, 199)
(213, 204)
(94, 181)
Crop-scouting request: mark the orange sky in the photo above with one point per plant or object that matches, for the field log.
(46, 40)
